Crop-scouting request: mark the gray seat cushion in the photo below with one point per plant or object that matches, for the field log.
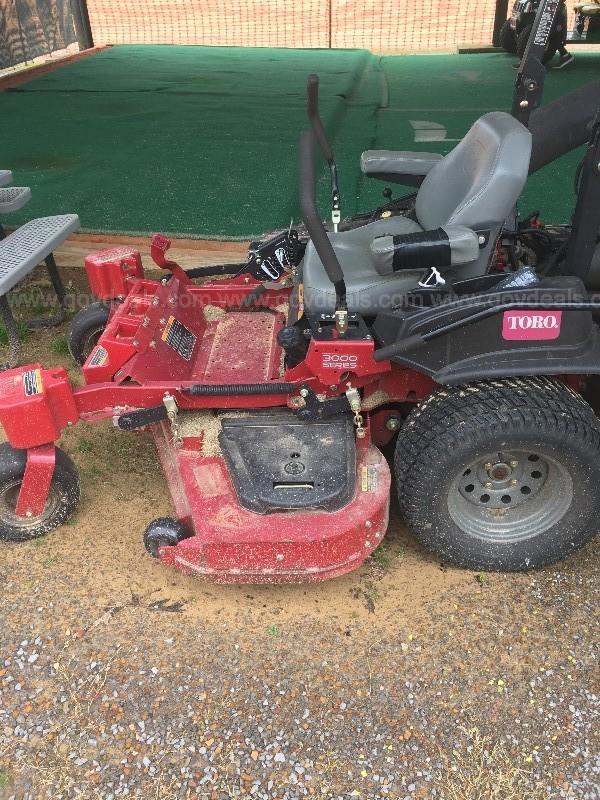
(476, 186)
(368, 292)
(6, 177)
(480, 180)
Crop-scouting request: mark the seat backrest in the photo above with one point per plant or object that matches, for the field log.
(478, 183)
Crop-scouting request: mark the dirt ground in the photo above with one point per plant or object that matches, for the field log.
(122, 678)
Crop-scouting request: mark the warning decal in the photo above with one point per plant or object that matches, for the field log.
(99, 357)
(32, 382)
(369, 479)
(179, 338)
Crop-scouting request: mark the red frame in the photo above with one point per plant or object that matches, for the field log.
(35, 486)
(159, 341)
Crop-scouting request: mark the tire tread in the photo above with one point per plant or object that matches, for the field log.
(451, 417)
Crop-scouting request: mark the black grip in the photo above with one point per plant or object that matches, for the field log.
(410, 343)
(312, 93)
(139, 419)
(312, 107)
(310, 214)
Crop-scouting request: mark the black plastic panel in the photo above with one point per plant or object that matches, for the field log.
(279, 463)
(479, 350)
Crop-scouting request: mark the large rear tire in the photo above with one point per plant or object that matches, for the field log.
(501, 475)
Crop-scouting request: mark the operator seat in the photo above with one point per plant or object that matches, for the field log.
(462, 203)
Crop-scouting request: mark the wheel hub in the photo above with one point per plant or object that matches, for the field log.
(504, 480)
(510, 495)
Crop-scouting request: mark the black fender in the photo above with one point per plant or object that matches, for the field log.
(505, 344)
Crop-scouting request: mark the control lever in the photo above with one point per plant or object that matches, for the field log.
(326, 149)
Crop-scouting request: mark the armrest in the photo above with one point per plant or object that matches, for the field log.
(449, 246)
(398, 166)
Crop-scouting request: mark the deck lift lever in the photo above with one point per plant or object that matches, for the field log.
(312, 107)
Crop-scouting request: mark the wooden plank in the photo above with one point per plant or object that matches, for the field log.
(29, 73)
(187, 252)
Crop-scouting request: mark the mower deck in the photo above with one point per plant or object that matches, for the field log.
(231, 544)
(175, 332)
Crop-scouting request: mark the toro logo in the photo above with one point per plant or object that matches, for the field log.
(531, 325)
(345, 362)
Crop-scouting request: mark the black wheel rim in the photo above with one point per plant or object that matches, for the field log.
(510, 496)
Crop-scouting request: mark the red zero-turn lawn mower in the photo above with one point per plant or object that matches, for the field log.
(270, 391)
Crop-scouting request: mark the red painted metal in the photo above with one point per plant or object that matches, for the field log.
(330, 360)
(380, 431)
(400, 385)
(37, 478)
(35, 405)
(136, 363)
(241, 348)
(234, 545)
(163, 329)
(159, 245)
(161, 339)
(111, 273)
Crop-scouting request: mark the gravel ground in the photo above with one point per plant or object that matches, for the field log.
(406, 679)
(490, 690)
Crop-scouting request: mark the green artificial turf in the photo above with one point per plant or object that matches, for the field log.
(197, 141)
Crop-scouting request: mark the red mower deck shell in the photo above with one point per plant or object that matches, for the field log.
(231, 544)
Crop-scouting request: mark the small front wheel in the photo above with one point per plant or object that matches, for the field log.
(501, 475)
(163, 532)
(86, 328)
(62, 501)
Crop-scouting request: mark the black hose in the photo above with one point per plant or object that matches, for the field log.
(563, 125)
(228, 389)
(313, 221)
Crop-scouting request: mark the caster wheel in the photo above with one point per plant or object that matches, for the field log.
(63, 496)
(86, 328)
(163, 532)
